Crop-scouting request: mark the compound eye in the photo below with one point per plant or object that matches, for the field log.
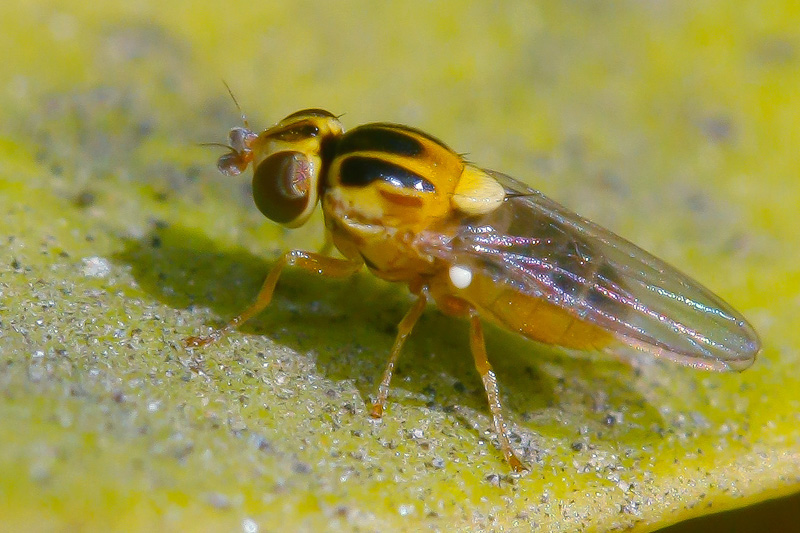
(282, 187)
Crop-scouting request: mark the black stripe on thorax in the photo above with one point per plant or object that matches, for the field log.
(360, 171)
(408, 130)
(380, 138)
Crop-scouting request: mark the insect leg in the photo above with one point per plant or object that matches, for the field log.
(403, 330)
(316, 263)
(478, 347)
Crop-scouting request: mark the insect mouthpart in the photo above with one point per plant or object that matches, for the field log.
(235, 162)
(240, 139)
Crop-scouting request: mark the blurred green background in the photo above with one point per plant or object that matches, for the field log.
(674, 124)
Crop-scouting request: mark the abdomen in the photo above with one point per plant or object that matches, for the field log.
(531, 317)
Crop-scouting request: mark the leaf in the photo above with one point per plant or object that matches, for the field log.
(673, 125)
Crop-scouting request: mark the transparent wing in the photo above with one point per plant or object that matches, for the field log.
(544, 250)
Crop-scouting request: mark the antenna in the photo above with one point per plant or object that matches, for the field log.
(236, 103)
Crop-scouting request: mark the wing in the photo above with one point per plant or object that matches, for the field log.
(542, 249)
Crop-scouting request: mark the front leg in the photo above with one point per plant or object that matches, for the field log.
(316, 263)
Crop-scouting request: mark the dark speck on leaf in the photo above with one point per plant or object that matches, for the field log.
(301, 468)
(85, 199)
(493, 479)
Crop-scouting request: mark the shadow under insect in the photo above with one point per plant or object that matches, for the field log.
(349, 326)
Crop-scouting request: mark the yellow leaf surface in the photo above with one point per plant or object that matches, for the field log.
(674, 124)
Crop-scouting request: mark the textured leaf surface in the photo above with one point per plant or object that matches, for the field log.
(674, 125)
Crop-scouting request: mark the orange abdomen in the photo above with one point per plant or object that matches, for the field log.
(529, 316)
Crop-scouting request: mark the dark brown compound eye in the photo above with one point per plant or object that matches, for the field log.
(282, 185)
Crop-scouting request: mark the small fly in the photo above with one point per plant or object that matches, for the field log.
(479, 244)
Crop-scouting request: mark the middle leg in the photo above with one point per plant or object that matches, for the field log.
(478, 346)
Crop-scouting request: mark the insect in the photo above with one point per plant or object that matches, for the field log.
(479, 244)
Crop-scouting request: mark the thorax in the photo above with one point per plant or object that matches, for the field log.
(386, 186)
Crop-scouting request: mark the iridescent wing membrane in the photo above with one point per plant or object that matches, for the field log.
(546, 251)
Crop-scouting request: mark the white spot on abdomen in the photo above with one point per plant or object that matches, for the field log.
(460, 276)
